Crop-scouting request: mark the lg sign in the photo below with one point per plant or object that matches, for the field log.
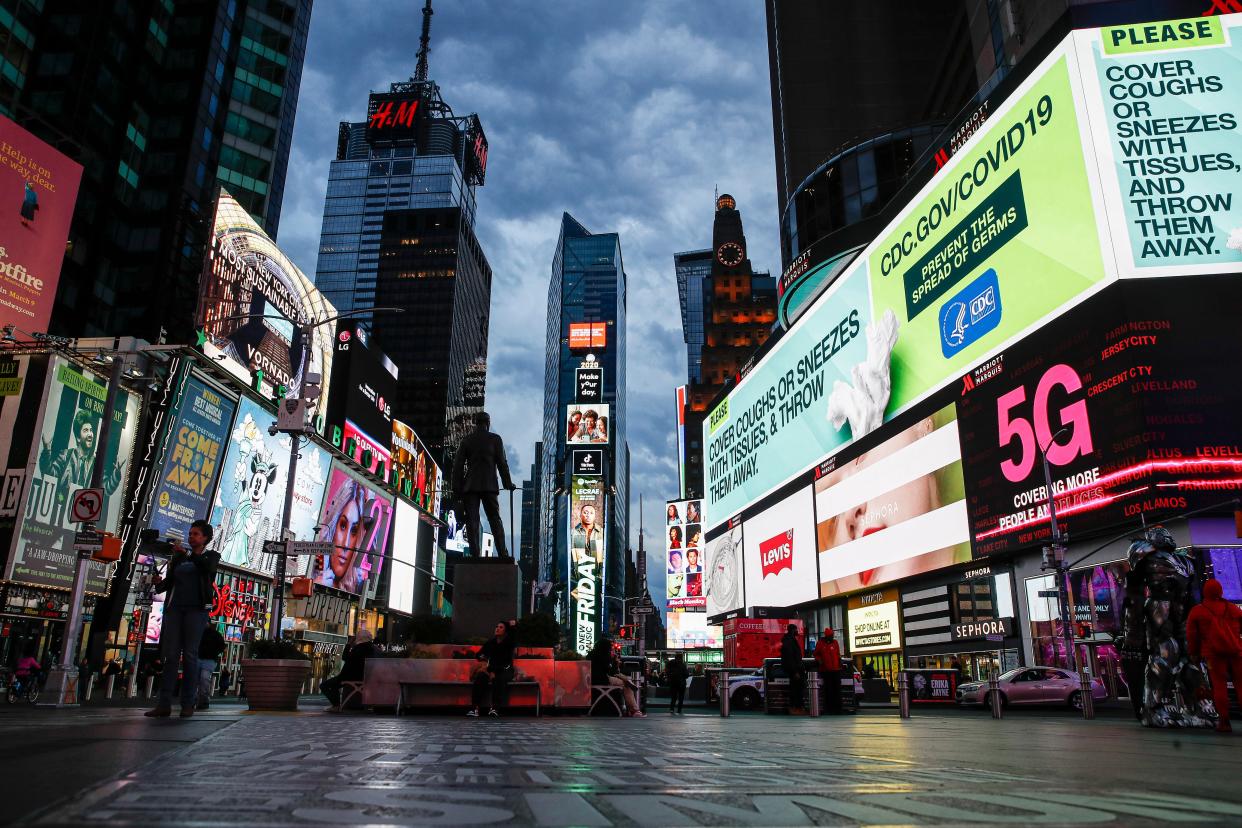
(776, 553)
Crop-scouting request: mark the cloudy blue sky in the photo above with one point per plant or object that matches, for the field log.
(628, 115)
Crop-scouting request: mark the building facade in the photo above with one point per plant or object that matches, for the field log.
(186, 96)
(587, 288)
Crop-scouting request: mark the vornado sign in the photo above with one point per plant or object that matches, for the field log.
(1111, 160)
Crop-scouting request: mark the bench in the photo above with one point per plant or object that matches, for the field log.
(351, 695)
(406, 691)
(613, 693)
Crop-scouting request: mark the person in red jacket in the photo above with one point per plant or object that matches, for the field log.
(828, 657)
(1214, 635)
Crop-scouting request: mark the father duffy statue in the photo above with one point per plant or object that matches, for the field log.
(479, 457)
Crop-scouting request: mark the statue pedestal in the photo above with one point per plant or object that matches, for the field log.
(485, 592)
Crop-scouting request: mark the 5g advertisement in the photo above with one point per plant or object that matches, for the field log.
(1116, 158)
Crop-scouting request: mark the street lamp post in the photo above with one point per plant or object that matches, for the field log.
(1058, 562)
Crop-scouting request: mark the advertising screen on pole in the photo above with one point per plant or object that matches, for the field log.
(683, 554)
(61, 462)
(587, 549)
(1117, 156)
(249, 501)
(689, 630)
(1137, 410)
(723, 572)
(193, 457)
(356, 519)
(779, 553)
(586, 424)
(40, 187)
(252, 302)
(405, 540)
(893, 509)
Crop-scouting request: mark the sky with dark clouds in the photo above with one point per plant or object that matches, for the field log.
(628, 115)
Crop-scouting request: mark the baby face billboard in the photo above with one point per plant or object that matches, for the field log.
(249, 502)
(62, 462)
(38, 190)
(356, 519)
(192, 458)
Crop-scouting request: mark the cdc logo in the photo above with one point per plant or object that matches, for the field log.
(973, 312)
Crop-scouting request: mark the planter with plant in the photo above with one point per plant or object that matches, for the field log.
(274, 674)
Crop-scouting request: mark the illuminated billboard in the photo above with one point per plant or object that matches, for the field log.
(722, 575)
(364, 382)
(586, 424)
(779, 553)
(894, 509)
(690, 630)
(873, 622)
(356, 518)
(40, 187)
(584, 335)
(394, 116)
(252, 304)
(684, 554)
(418, 475)
(587, 549)
(948, 284)
(405, 540)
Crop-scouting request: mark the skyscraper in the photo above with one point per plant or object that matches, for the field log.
(727, 312)
(185, 95)
(398, 231)
(528, 556)
(586, 298)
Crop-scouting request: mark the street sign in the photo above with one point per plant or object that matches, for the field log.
(87, 506)
(274, 547)
(1049, 593)
(88, 541)
(642, 609)
(311, 548)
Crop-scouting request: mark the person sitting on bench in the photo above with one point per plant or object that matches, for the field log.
(606, 670)
(490, 680)
(353, 669)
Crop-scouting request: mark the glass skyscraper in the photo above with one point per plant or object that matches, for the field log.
(693, 267)
(588, 284)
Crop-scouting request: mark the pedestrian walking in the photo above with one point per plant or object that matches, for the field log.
(1214, 634)
(492, 678)
(791, 662)
(676, 684)
(189, 583)
(353, 668)
(828, 659)
(209, 652)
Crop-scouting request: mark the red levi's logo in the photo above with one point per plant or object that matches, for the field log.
(776, 553)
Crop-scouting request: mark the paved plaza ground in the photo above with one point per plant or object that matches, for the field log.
(109, 766)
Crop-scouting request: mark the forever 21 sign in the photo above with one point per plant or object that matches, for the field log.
(968, 630)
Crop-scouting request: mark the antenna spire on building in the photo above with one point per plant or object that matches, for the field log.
(424, 43)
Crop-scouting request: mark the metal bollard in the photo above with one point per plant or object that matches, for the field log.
(131, 690)
(108, 685)
(1087, 695)
(90, 687)
(722, 692)
(812, 690)
(998, 710)
(150, 686)
(903, 695)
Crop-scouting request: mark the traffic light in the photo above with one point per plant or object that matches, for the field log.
(626, 631)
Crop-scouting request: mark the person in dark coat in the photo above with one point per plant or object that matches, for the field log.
(210, 648)
(791, 662)
(479, 457)
(353, 669)
(1214, 635)
(676, 684)
(606, 670)
(495, 673)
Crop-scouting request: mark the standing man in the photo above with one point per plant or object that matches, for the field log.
(828, 657)
(676, 684)
(209, 652)
(479, 457)
(791, 662)
(189, 582)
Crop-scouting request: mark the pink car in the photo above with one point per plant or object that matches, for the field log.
(1032, 685)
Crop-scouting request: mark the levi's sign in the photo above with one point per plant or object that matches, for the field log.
(983, 629)
(776, 553)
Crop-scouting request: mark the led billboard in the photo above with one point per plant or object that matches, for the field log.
(395, 116)
(405, 550)
(585, 424)
(894, 509)
(873, 622)
(356, 518)
(248, 507)
(779, 553)
(418, 475)
(684, 554)
(722, 576)
(364, 382)
(690, 630)
(587, 549)
(1117, 156)
(41, 188)
(252, 303)
(586, 335)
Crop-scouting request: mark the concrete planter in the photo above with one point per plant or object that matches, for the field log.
(274, 683)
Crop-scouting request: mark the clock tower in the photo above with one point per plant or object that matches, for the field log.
(728, 240)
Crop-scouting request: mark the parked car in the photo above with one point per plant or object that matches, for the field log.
(1032, 685)
(746, 689)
